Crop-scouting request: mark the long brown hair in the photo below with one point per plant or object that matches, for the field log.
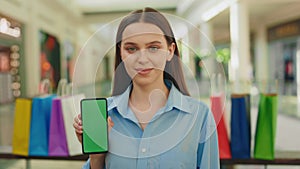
(173, 68)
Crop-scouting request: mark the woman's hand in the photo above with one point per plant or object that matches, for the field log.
(78, 126)
(96, 160)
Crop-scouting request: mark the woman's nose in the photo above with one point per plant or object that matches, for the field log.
(143, 56)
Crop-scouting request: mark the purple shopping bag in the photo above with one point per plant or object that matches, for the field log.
(57, 134)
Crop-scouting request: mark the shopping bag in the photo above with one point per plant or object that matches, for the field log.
(264, 144)
(240, 126)
(40, 122)
(71, 108)
(21, 131)
(57, 135)
(218, 112)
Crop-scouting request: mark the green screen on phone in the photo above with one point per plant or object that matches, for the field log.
(94, 124)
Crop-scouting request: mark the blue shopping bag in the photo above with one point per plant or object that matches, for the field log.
(240, 126)
(39, 127)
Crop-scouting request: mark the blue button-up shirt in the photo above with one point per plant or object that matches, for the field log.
(181, 135)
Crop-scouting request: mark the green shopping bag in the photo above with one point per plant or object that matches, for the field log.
(264, 147)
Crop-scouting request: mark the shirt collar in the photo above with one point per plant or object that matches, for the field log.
(120, 102)
(175, 100)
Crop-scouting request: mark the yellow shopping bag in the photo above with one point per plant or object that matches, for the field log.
(21, 132)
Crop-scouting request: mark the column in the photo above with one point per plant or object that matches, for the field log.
(193, 44)
(206, 48)
(298, 76)
(32, 56)
(261, 55)
(240, 67)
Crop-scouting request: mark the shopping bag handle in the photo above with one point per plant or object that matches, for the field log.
(45, 87)
(61, 87)
(69, 88)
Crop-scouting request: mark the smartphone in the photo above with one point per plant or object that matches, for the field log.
(94, 124)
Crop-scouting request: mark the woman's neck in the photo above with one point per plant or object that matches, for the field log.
(146, 96)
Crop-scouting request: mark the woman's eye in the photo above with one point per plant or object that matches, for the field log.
(131, 49)
(153, 49)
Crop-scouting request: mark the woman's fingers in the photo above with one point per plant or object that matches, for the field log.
(77, 119)
(110, 123)
(77, 124)
(78, 127)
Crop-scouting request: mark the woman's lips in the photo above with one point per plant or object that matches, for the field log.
(144, 71)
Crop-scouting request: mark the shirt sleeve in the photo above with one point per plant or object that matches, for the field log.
(208, 151)
(86, 165)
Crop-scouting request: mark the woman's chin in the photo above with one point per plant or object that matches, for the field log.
(142, 80)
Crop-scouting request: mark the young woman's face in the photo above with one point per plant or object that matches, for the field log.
(144, 51)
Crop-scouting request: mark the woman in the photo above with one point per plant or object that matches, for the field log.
(153, 122)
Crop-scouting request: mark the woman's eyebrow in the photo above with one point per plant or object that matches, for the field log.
(154, 42)
(129, 43)
(150, 43)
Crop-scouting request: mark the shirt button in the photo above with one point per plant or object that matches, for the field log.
(143, 150)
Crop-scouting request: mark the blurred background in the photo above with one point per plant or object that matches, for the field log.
(253, 44)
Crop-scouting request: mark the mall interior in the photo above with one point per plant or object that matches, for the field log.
(241, 48)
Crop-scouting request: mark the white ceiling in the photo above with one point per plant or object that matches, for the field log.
(269, 12)
(103, 6)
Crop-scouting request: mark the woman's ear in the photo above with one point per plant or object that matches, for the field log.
(171, 50)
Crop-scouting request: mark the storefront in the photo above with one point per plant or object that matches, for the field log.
(11, 59)
(12, 75)
(283, 46)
